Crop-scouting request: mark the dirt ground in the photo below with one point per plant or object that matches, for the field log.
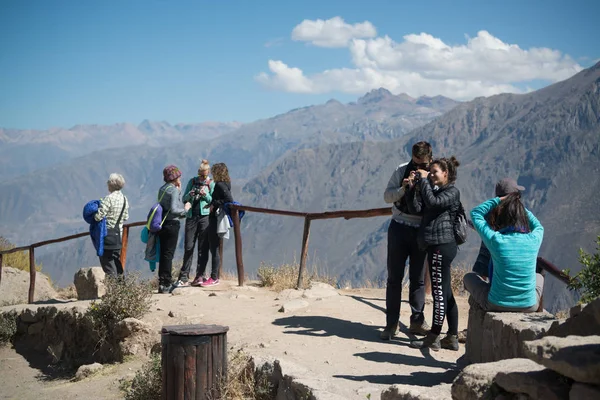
(335, 341)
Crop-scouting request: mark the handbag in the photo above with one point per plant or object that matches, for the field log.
(112, 240)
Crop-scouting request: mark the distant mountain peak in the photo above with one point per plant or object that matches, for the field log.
(375, 95)
(332, 102)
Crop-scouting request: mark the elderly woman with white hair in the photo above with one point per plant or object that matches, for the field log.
(115, 208)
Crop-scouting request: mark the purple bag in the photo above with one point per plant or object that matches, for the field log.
(155, 218)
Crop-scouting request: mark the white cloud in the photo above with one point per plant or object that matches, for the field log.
(333, 32)
(420, 64)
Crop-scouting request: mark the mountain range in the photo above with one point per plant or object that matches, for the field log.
(340, 156)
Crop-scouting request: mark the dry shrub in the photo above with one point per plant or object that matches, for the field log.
(242, 382)
(285, 276)
(8, 327)
(18, 260)
(147, 382)
(66, 293)
(457, 274)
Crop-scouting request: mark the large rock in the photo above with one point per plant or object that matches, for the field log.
(583, 322)
(477, 381)
(577, 357)
(293, 305)
(89, 283)
(581, 391)
(87, 370)
(15, 287)
(494, 336)
(539, 385)
(136, 337)
(319, 290)
(410, 392)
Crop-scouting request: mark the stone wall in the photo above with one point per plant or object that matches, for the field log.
(494, 336)
(69, 337)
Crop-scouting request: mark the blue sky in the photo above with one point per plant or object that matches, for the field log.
(101, 62)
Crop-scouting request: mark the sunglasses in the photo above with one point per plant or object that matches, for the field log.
(424, 166)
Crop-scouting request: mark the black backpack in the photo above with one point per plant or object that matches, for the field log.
(461, 226)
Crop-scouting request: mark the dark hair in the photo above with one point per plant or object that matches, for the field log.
(422, 149)
(447, 165)
(510, 212)
(220, 173)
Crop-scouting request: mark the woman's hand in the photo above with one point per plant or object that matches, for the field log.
(503, 198)
(187, 206)
(424, 174)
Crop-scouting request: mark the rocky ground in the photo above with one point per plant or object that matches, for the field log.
(330, 339)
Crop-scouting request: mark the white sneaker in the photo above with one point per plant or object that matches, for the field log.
(181, 283)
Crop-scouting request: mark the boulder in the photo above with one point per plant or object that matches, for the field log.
(494, 336)
(319, 290)
(576, 357)
(15, 287)
(539, 385)
(87, 370)
(584, 321)
(581, 391)
(410, 392)
(89, 283)
(293, 305)
(289, 294)
(136, 337)
(477, 381)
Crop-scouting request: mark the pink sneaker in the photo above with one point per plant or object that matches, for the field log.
(210, 282)
(198, 281)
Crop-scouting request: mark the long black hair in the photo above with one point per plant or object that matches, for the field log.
(510, 213)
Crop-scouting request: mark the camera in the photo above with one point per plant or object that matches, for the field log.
(197, 191)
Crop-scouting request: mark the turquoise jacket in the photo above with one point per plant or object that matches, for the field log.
(204, 201)
(514, 255)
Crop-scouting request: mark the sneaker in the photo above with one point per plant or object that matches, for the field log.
(180, 283)
(389, 332)
(162, 289)
(431, 341)
(450, 342)
(198, 281)
(421, 329)
(210, 282)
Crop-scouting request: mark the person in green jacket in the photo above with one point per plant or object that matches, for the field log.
(199, 193)
(513, 236)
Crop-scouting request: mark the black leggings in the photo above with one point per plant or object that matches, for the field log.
(440, 257)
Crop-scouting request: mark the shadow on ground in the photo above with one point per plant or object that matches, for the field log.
(47, 370)
(427, 379)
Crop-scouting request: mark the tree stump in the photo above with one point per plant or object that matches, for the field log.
(194, 361)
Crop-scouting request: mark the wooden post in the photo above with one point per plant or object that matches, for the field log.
(124, 241)
(1, 268)
(235, 217)
(304, 252)
(32, 272)
(220, 257)
(194, 361)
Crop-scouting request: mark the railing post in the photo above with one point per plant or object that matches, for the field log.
(124, 241)
(1, 268)
(32, 272)
(235, 217)
(304, 253)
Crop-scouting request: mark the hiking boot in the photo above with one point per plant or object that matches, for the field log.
(210, 282)
(450, 342)
(431, 341)
(198, 281)
(420, 329)
(389, 332)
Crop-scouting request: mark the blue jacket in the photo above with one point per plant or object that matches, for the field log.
(97, 228)
(228, 211)
(514, 256)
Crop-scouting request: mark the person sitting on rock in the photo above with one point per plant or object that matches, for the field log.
(513, 237)
(503, 187)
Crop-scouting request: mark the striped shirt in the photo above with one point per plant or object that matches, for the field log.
(110, 207)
